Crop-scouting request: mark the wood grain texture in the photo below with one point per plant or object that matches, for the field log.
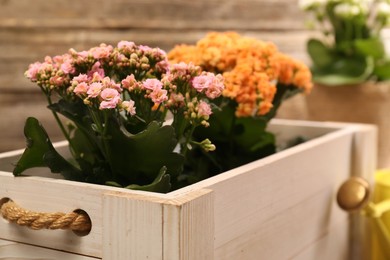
(15, 251)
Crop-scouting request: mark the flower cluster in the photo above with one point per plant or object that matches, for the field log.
(128, 88)
(126, 77)
(257, 79)
(251, 68)
(350, 49)
(220, 94)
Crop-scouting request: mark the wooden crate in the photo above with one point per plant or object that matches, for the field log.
(279, 207)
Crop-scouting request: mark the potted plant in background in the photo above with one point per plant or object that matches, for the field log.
(350, 66)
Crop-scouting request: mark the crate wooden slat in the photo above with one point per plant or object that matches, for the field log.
(11, 250)
(259, 209)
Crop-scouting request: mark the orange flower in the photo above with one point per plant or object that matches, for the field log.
(251, 68)
(293, 72)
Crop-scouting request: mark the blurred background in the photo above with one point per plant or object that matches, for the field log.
(30, 30)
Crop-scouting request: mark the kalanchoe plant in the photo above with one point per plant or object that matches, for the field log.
(116, 100)
(257, 79)
(350, 50)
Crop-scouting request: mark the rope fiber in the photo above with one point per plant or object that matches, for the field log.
(75, 221)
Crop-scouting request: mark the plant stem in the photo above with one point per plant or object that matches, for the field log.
(59, 122)
(188, 139)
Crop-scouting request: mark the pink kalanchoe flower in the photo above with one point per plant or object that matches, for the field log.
(204, 109)
(48, 59)
(67, 67)
(216, 87)
(201, 83)
(81, 89)
(81, 78)
(209, 83)
(94, 89)
(126, 45)
(129, 107)
(144, 48)
(110, 97)
(158, 96)
(129, 82)
(96, 77)
(102, 52)
(109, 83)
(96, 68)
(57, 80)
(162, 66)
(33, 70)
(180, 69)
(152, 84)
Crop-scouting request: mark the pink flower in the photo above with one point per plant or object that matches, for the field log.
(209, 83)
(204, 109)
(94, 89)
(129, 107)
(202, 82)
(216, 87)
(81, 88)
(109, 83)
(81, 78)
(162, 66)
(180, 69)
(57, 80)
(110, 98)
(152, 84)
(96, 77)
(129, 82)
(126, 45)
(33, 70)
(101, 52)
(67, 67)
(158, 96)
(144, 48)
(96, 68)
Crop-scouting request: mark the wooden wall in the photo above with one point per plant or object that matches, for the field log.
(31, 29)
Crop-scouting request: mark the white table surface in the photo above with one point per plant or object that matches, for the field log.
(14, 251)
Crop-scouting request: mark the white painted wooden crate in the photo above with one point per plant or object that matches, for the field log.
(279, 207)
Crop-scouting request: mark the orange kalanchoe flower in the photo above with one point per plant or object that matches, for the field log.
(251, 69)
(293, 72)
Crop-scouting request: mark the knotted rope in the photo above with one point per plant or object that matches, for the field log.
(77, 221)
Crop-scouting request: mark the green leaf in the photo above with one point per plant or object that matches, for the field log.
(373, 47)
(345, 71)
(37, 145)
(382, 71)
(41, 153)
(319, 53)
(237, 140)
(138, 158)
(162, 183)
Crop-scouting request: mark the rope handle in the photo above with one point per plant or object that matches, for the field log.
(78, 221)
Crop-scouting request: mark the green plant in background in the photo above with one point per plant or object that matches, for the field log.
(350, 49)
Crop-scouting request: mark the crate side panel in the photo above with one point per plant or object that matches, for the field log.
(189, 227)
(36, 194)
(132, 227)
(246, 203)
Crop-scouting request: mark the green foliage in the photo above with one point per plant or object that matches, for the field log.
(351, 50)
(145, 158)
(41, 153)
